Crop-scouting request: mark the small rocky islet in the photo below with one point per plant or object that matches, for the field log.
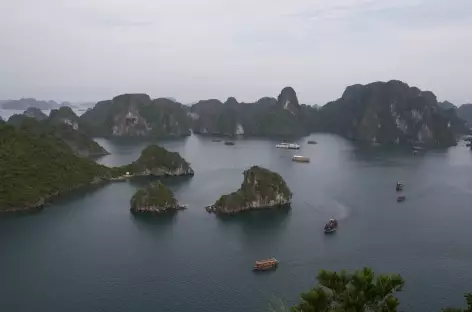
(260, 189)
(154, 199)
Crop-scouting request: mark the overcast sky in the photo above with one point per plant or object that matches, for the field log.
(197, 49)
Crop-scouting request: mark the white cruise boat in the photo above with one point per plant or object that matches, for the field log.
(288, 145)
(299, 158)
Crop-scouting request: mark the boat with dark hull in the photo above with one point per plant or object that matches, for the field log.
(266, 265)
(331, 226)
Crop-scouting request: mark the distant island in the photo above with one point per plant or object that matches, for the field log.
(23, 104)
(260, 189)
(36, 168)
(154, 199)
(136, 115)
(379, 113)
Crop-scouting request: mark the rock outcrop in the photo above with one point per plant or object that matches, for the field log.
(159, 162)
(136, 115)
(35, 113)
(388, 113)
(267, 117)
(154, 199)
(446, 105)
(64, 115)
(261, 188)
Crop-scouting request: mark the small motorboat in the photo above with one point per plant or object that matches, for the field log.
(331, 226)
(265, 265)
(311, 142)
(399, 187)
(229, 143)
(401, 199)
(299, 158)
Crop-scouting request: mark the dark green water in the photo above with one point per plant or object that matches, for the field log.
(88, 253)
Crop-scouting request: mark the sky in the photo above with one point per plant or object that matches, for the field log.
(90, 50)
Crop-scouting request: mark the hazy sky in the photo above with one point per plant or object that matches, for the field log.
(198, 49)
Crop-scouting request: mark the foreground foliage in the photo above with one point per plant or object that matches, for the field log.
(357, 292)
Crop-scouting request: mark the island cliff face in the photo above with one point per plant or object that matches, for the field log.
(261, 188)
(35, 113)
(136, 115)
(154, 199)
(267, 117)
(388, 113)
(157, 161)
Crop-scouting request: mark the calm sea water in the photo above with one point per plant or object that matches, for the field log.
(88, 253)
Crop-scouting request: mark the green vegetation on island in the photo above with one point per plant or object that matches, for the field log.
(80, 143)
(156, 198)
(34, 168)
(261, 188)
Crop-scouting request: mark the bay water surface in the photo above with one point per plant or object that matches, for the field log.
(87, 252)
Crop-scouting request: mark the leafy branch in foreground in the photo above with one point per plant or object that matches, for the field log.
(357, 292)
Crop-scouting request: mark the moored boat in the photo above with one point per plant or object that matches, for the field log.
(401, 198)
(331, 226)
(399, 187)
(288, 145)
(299, 158)
(312, 142)
(264, 265)
(229, 143)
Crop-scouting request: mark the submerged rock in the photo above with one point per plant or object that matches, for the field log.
(261, 188)
(154, 199)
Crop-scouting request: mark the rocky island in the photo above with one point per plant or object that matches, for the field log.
(154, 199)
(159, 162)
(35, 169)
(35, 113)
(136, 115)
(268, 116)
(261, 188)
(388, 113)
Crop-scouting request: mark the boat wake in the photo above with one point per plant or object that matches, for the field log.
(334, 209)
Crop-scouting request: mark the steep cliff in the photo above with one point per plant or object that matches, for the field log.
(261, 188)
(154, 199)
(267, 117)
(388, 113)
(136, 115)
(64, 115)
(157, 161)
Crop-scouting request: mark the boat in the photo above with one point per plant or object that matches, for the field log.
(418, 148)
(288, 145)
(299, 158)
(399, 187)
(265, 265)
(311, 142)
(331, 226)
(229, 143)
(183, 206)
(401, 199)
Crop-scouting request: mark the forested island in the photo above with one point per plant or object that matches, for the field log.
(154, 199)
(36, 168)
